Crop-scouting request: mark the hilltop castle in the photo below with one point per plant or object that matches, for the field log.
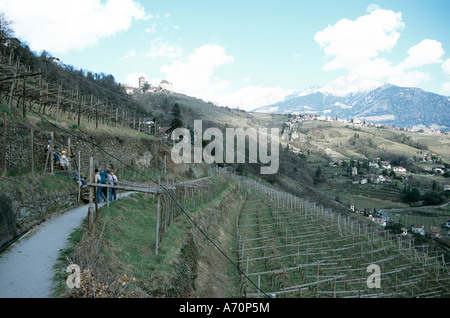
(164, 85)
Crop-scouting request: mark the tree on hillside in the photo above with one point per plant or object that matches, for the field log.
(6, 30)
(318, 176)
(145, 88)
(176, 114)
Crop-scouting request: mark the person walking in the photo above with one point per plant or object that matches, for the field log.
(113, 181)
(98, 179)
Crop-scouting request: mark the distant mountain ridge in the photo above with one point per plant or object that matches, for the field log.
(371, 101)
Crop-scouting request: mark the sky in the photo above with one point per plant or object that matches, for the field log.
(244, 53)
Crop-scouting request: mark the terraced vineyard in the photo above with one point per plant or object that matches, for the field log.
(292, 248)
(425, 216)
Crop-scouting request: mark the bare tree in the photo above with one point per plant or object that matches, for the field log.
(6, 30)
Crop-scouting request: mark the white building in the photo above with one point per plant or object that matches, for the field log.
(141, 81)
(399, 169)
(373, 165)
(166, 85)
(130, 90)
(386, 164)
(418, 228)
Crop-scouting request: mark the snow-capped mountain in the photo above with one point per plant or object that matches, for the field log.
(344, 86)
(371, 101)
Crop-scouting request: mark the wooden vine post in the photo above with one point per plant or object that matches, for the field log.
(32, 152)
(79, 171)
(52, 146)
(158, 203)
(4, 144)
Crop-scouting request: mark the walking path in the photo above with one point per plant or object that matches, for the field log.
(26, 267)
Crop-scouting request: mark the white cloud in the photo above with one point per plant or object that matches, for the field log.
(446, 66)
(151, 29)
(195, 76)
(60, 26)
(446, 69)
(251, 97)
(159, 48)
(356, 46)
(130, 54)
(426, 52)
(351, 43)
(446, 88)
(132, 80)
(408, 79)
(372, 7)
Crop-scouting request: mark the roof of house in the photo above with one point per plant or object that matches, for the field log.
(164, 129)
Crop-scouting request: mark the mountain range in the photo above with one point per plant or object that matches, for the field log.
(371, 101)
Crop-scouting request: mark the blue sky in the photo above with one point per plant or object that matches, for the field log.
(245, 53)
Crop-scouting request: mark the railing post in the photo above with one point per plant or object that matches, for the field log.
(91, 195)
(52, 147)
(79, 175)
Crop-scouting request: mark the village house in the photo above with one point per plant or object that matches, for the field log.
(383, 179)
(371, 177)
(165, 131)
(404, 231)
(148, 121)
(418, 228)
(380, 179)
(386, 165)
(356, 121)
(379, 221)
(435, 231)
(399, 169)
(438, 170)
(374, 164)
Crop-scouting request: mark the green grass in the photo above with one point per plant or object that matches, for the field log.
(129, 232)
(39, 184)
(128, 237)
